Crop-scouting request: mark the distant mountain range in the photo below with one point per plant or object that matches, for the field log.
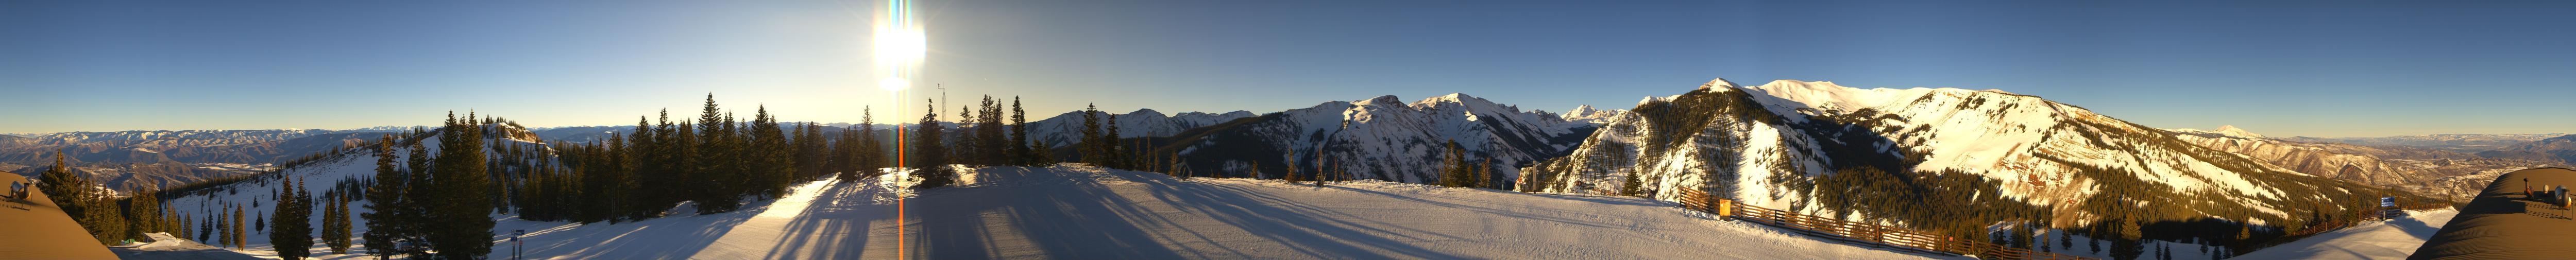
(135, 160)
(2433, 172)
(1378, 138)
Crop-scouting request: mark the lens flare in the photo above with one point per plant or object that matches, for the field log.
(894, 84)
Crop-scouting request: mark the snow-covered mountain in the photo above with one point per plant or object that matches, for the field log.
(1932, 158)
(1378, 138)
(2464, 143)
(1587, 114)
(2443, 174)
(257, 195)
(134, 160)
(1066, 129)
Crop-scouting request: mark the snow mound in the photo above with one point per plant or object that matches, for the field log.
(2391, 239)
(165, 246)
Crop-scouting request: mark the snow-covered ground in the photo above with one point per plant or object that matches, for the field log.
(2390, 239)
(1077, 212)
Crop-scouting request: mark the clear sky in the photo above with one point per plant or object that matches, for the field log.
(2281, 68)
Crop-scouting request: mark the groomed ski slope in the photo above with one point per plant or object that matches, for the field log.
(2390, 239)
(1075, 212)
(1080, 212)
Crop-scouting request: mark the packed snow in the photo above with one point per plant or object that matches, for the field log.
(1080, 212)
(2387, 239)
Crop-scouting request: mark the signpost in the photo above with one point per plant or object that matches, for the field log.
(517, 252)
(2390, 204)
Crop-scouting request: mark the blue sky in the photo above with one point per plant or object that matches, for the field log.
(2282, 68)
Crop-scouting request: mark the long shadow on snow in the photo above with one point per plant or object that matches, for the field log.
(836, 222)
(1301, 228)
(663, 237)
(1073, 219)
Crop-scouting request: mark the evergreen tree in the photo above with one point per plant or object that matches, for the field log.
(292, 235)
(2127, 246)
(962, 146)
(1093, 148)
(1291, 176)
(385, 195)
(238, 233)
(1112, 155)
(929, 154)
(808, 153)
(142, 215)
(1022, 151)
(993, 141)
(64, 188)
(457, 223)
(2065, 239)
(1453, 166)
(336, 226)
(206, 229)
(103, 219)
(770, 156)
(869, 157)
(1485, 174)
(718, 174)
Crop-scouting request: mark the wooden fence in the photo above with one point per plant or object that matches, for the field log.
(1858, 231)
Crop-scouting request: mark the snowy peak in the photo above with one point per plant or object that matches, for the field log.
(1719, 83)
(2232, 130)
(1380, 100)
(2224, 130)
(1587, 114)
(1451, 98)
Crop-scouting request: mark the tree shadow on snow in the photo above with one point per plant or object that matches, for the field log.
(1314, 231)
(649, 239)
(836, 225)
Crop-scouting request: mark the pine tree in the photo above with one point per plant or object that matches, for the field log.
(1453, 165)
(457, 219)
(336, 229)
(2127, 246)
(1093, 148)
(64, 188)
(770, 156)
(807, 160)
(238, 234)
(1022, 153)
(1291, 176)
(962, 146)
(103, 219)
(929, 154)
(206, 228)
(2022, 235)
(385, 195)
(1114, 156)
(995, 143)
(718, 178)
(142, 215)
(1485, 174)
(2065, 239)
(870, 158)
(292, 233)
